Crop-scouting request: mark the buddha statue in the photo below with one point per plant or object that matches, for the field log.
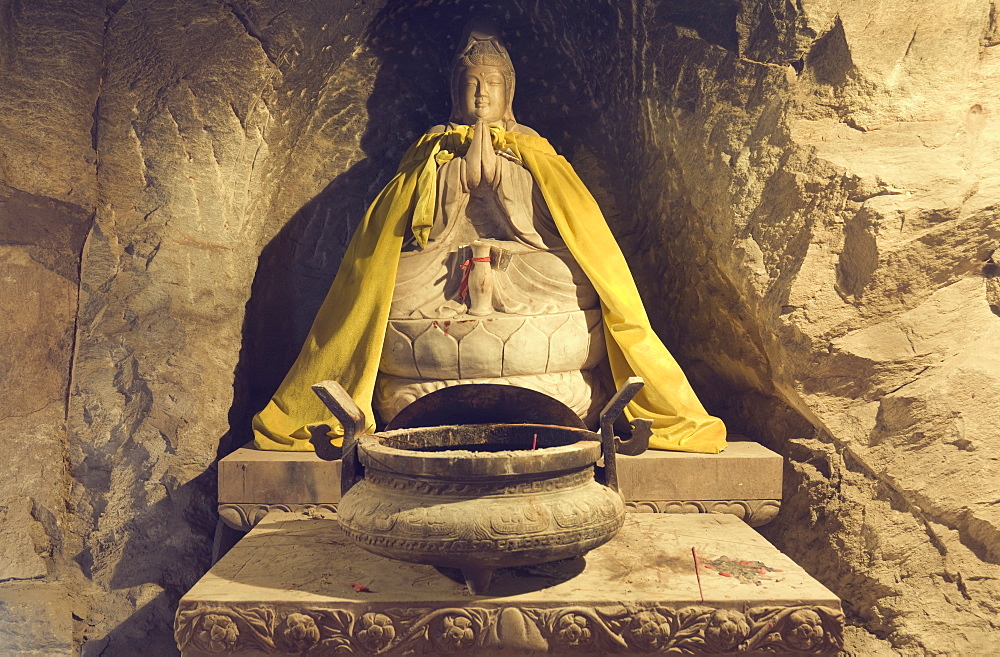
(484, 260)
(494, 296)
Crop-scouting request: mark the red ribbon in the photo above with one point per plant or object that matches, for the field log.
(463, 287)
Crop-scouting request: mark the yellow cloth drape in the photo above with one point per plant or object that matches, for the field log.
(345, 342)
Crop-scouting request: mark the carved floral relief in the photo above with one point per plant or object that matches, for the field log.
(632, 629)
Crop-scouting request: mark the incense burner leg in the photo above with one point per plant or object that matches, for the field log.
(477, 579)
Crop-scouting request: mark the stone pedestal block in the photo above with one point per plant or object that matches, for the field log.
(675, 584)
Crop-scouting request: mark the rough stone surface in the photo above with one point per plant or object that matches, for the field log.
(806, 192)
(24, 540)
(35, 621)
(825, 207)
(50, 61)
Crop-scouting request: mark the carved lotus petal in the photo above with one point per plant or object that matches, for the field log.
(526, 351)
(397, 354)
(480, 354)
(436, 353)
(569, 345)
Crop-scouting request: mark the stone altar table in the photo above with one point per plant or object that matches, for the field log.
(744, 480)
(297, 585)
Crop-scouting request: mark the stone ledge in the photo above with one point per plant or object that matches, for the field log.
(744, 480)
(291, 586)
(244, 517)
(753, 512)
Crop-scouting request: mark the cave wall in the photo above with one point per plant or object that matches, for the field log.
(826, 209)
(50, 62)
(805, 191)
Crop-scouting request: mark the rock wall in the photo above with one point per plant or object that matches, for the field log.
(825, 207)
(218, 125)
(805, 191)
(50, 59)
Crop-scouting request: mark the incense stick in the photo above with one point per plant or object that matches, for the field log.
(697, 572)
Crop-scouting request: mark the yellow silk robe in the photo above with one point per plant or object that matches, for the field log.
(345, 342)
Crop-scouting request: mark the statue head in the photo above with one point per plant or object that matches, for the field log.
(482, 78)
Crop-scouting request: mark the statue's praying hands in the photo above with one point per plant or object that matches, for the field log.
(482, 101)
(481, 160)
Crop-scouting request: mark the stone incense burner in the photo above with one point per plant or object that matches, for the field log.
(477, 496)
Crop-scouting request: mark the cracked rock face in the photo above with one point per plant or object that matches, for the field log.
(806, 193)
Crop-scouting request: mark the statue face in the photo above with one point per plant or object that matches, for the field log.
(482, 94)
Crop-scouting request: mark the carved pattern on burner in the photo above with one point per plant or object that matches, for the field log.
(416, 526)
(694, 630)
(480, 488)
(458, 547)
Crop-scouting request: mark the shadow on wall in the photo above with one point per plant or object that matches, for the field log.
(294, 272)
(150, 625)
(414, 47)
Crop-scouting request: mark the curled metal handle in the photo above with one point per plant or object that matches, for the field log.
(642, 431)
(609, 414)
(343, 407)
